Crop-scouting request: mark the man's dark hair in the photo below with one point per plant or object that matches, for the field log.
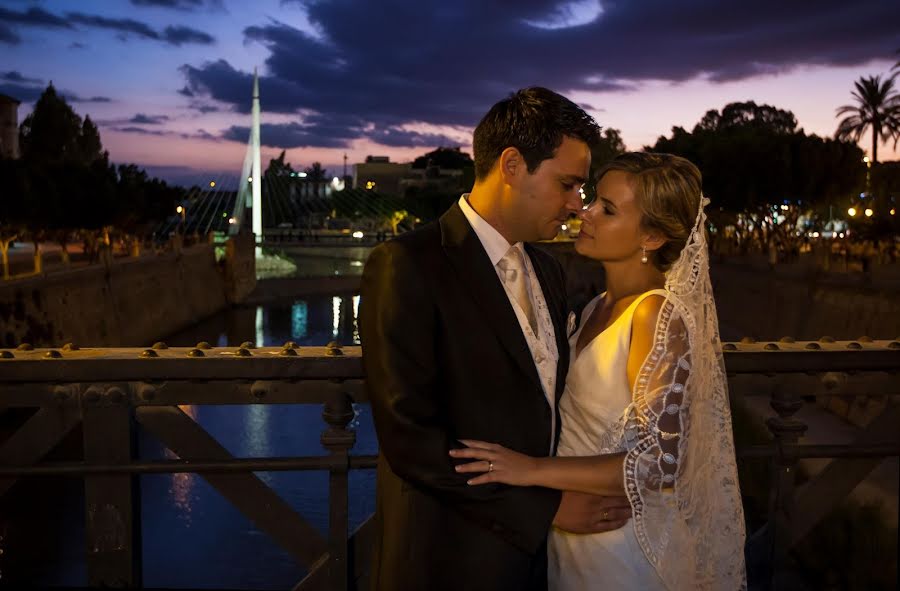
(534, 121)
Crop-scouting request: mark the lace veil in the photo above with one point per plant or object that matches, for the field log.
(680, 472)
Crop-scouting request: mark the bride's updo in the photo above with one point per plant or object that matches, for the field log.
(667, 189)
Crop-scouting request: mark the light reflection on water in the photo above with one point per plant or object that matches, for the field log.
(192, 537)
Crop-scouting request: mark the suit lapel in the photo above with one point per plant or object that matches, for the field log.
(471, 262)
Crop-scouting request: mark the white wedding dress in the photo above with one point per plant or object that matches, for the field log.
(674, 427)
(596, 396)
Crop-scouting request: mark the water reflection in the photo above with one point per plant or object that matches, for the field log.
(308, 321)
(182, 486)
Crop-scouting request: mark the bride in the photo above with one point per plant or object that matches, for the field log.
(645, 411)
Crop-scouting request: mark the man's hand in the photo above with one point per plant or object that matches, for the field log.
(581, 513)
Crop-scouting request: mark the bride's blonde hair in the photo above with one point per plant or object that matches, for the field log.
(668, 189)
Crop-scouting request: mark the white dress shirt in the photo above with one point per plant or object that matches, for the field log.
(541, 343)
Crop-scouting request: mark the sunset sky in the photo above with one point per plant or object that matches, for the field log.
(169, 81)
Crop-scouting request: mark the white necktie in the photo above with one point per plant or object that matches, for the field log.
(512, 270)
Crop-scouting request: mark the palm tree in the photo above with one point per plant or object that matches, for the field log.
(877, 108)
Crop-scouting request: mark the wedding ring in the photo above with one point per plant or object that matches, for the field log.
(490, 466)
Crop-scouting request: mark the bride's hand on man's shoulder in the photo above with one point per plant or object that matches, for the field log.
(495, 464)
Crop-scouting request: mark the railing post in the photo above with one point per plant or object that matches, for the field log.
(112, 503)
(787, 432)
(338, 439)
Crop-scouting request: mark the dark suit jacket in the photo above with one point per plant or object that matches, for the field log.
(445, 359)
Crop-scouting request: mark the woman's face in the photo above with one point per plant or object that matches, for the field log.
(611, 226)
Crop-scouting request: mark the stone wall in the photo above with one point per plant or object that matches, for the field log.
(240, 267)
(754, 301)
(128, 302)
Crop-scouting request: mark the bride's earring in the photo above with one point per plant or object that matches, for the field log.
(644, 258)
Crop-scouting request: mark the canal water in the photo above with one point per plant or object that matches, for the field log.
(192, 537)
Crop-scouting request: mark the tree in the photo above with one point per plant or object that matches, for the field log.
(51, 132)
(448, 158)
(877, 109)
(753, 159)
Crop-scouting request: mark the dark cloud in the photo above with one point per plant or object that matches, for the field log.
(8, 36)
(182, 35)
(291, 135)
(124, 27)
(74, 98)
(183, 5)
(13, 76)
(368, 67)
(141, 119)
(140, 130)
(204, 108)
(199, 134)
(35, 17)
(25, 94)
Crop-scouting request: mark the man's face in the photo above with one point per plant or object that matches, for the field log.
(544, 199)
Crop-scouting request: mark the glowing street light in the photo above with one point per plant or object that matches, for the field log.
(893, 211)
(249, 179)
(212, 184)
(179, 209)
(851, 212)
(358, 235)
(869, 212)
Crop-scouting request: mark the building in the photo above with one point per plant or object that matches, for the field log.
(379, 174)
(9, 127)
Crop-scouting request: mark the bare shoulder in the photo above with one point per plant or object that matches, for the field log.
(646, 314)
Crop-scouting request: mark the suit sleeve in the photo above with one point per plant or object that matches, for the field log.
(398, 324)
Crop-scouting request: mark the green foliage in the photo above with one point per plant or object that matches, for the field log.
(448, 158)
(64, 180)
(753, 155)
(877, 109)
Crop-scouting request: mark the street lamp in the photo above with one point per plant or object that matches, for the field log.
(851, 212)
(212, 184)
(869, 212)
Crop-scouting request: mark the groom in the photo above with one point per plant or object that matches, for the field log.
(463, 330)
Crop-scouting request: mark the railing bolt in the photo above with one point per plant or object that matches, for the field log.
(334, 349)
(92, 395)
(149, 353)
(6, 355)
(259, 389)
(159, 345)
(25, 347)
(52, 354)
(61, 393)
(203, 345)
(71, 347)
(115, 395)
(248, 345)
(242, 352)
(146, 392)
(196, 353)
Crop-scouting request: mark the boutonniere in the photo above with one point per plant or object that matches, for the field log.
(571, 325)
